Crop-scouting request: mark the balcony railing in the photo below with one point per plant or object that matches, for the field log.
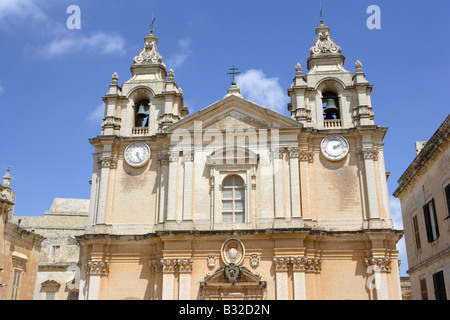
(140, 131)
(335, 123)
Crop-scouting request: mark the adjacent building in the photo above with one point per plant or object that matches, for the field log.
(236, 200)
(424, 192)
(19, 250)
(59, 261)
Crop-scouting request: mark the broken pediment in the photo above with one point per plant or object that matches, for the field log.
(221, 285)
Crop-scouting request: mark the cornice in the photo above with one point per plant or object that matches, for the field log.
(429, 150)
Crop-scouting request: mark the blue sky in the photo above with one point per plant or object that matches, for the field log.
(52, 78)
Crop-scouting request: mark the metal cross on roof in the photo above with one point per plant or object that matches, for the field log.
(234, 73)
(321, 16)
(152, 24)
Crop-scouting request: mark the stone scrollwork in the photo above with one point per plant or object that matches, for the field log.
(98, 267)
(298, 263)
(383, 263)
(211, 260)
(368, 153)
(107, 162)
(324, 43)
(306, 155)
(149, 53)
(254, 260)
(173, 264)
(111, 122)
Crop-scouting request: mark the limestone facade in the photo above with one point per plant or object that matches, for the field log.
(424, 192)
(19, 250)
(237, 200)
(59, 260)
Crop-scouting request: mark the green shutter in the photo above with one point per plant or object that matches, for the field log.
(439, 286)
(435, 219)
(426, 213)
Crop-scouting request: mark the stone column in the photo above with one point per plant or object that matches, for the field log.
(168, 275)
(277, 158)
(281, 277)
(369, 155)
(305, 157)
(298, 270)
(172, 185)
(184, 285)
(188, 158)
(377, 270)
(164, 179)
(295, 182)
(105, 163)
(96, 269)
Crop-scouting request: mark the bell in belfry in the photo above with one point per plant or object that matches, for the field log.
(330, 109)
(141, 112)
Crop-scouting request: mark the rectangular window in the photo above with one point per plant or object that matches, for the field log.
(16, 283)
(416, 233)
(55, 251)
(439, 286)
(431, 221)
(50, 295)
(423, 289)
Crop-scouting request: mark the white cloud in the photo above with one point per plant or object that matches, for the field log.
(99, 42)
(255, 86)
(396, 212)
(177, 59)
(96, 115)
(397, 220)
(20, 10)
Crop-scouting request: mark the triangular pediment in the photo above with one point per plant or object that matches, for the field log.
(234, 112)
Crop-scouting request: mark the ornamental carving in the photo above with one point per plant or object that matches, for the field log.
(293, 152)
(211, 260)
(306, 155)
(111, 122)
(98, 267)
(324, 43)
(173, 264)
(383, 263)
(107, 162)
(233, 251)
(277, 152)
(368, 153)
(298, 264)
(362, 111)
(149, 53)
(254, 260)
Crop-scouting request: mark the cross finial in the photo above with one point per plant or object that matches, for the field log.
(152, 24)
(321, 16)
(234, 73)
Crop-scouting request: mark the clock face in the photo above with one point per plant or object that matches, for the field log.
(334, 147)
(137, 154)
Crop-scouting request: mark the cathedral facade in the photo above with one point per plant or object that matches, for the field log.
(237, 201)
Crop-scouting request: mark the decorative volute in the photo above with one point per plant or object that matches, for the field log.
(325, 53)
(149, 61)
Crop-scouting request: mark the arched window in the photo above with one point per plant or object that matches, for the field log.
(233, 200)
(330, 103)
(141, 113)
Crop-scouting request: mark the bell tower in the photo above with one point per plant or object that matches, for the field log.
(148, 102)
(136, 112)
(329, 96)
